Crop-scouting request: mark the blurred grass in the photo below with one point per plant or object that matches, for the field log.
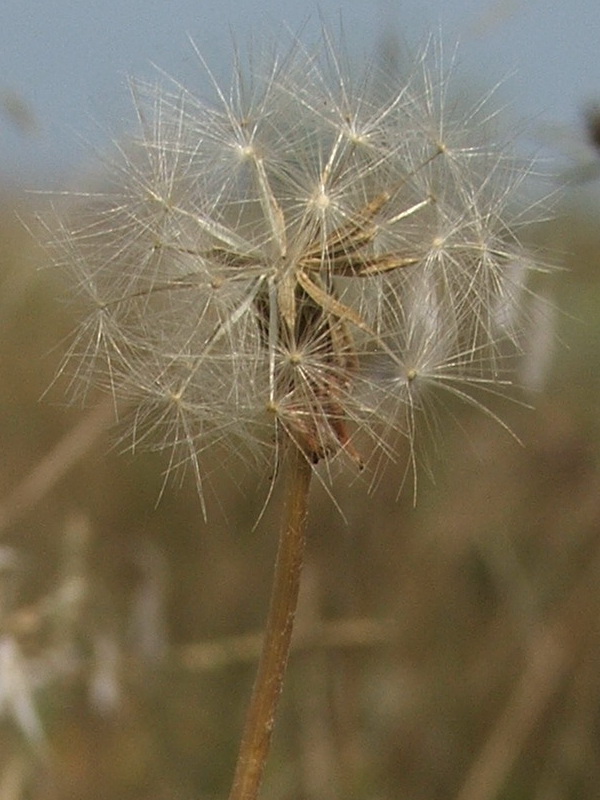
(445, 651)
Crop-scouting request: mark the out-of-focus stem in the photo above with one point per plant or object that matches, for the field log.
(63, 456)
(260, 717)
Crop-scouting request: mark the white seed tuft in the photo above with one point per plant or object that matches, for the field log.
(304, 258)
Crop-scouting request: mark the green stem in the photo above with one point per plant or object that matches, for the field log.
(260, 717)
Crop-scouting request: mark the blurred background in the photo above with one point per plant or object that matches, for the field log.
(445, 650)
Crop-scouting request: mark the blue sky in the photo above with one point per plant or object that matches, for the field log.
(64, 63)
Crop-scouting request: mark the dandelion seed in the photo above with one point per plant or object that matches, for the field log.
(265, 251)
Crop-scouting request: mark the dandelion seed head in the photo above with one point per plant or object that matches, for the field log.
(302, 259)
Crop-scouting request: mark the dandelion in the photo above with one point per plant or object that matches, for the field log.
(290, 269)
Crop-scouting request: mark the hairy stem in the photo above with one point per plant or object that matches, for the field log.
(260, 717)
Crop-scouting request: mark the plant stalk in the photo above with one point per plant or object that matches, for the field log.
(260, 716)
